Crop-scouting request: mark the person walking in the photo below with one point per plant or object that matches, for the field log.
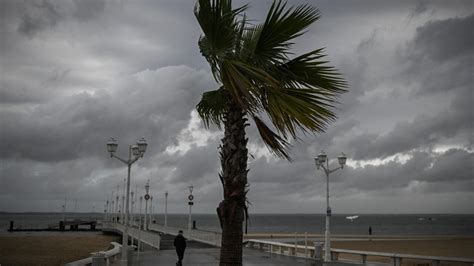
(180, 245)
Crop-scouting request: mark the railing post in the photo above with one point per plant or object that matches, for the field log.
(296, 244)
(334, 256)
(318, 250)
(98, 259)
(396, 261)
(318, 253)
(305, 244)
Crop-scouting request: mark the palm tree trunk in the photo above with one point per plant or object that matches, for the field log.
(234, 180)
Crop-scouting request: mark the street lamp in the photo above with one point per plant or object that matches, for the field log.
(122, 217)
(319, 161)
(131, 211)
(135, 152)
(150, 220)
(166, 208)
(147, 197)
(139, 228)
(190, 203)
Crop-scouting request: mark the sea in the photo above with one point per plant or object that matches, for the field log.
(381, 224)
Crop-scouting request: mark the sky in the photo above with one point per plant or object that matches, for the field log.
(76, 72)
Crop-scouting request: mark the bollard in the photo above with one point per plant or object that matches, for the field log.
(318, 253)
(130, 256)
(194, 224)
(61, 225)
(99, 259)
(11, 226)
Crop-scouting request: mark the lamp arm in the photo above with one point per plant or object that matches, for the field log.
(134, 160)
(120, 159)
(326, 170)
(334, 170)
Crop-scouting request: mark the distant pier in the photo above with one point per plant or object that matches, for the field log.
(72, 225)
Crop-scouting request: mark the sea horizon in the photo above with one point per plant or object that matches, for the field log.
(382, 224)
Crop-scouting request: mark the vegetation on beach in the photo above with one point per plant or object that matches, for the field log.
(259, 79)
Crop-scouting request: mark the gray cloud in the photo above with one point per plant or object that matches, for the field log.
(85, 10)
(441, 55)
(38, 17)
(90, 70)
(70, 127)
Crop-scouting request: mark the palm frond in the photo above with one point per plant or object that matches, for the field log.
(280, 27)
(212, 107)
(309, 70)
(274, 142)
(220, 26)
(253, 65)
(293, 109)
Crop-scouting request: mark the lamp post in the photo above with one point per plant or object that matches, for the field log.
(150, 220)
(117, 208)
(319, 161)
(166, 208)
(122, 218)
(139, 228)
(106, 208)
(135, 152)
(111, 216)
(131, 207)
(190, 203)
(147, 197)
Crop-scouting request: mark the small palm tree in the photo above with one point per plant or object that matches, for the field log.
(258, 75)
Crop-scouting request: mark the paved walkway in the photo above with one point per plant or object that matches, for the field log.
(210, 257)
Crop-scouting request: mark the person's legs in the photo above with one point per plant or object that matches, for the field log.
(180, 254)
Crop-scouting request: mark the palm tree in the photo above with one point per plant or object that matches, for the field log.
(259, 79)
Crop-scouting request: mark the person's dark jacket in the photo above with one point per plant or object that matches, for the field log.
(180, 242)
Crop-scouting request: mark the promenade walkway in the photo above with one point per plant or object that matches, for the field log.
(210, 257)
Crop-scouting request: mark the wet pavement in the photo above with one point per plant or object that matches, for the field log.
(210, 257)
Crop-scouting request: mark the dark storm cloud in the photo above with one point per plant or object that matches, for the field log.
(70, 127)
(85, 10)
(440, 47)
(37, 17)
(12, 93)
(90, 70)
(441, 54)
(447, 39)
(196, 164)
(443, 166)
(423, 132)
(424, 172)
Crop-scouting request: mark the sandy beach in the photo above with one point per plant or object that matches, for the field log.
(448, 247)
(50, 248)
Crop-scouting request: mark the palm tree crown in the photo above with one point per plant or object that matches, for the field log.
(256, 70)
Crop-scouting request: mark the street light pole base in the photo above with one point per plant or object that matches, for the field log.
(123, 262)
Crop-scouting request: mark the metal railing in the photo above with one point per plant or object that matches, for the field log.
(147, 237)
(203, 236)
(312, 252)
(110, 256)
